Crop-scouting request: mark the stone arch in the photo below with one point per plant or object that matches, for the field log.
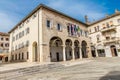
(68, 49)
(56, 49)
(35, 51)
(84, 49)
(76, 49)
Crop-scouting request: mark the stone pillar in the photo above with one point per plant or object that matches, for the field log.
(80, 52)
(73, 53)
(64, 55)
(96, 52)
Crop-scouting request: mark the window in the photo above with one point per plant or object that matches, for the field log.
(111, 23)
(17, 37)
(81, 32)
(98, 28)
(58, 27)
(27, 43)
(7, 45)
(16, 47)
(95, 29)
(68, 29)
(13, 39)
(48, 23)
(1, 44)
(107, 24)
(7, 39)
(86, 33)
(103, 25)
(89, 30)
(98, 38)
(118, 21)
(22, 33)
(22, 45)
(27, 31)
(1, 39)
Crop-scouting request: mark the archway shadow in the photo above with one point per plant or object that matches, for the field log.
(113, 75)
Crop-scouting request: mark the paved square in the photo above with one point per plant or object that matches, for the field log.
(94, 69)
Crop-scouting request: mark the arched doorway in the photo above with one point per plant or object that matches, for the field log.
(76, 49)
(56, 49)
(84, 49)
(68, 49)
(35, 53)
(113, 50)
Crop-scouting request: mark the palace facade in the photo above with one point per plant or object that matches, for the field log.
(105, 36)
(47, 35)
(4, 46)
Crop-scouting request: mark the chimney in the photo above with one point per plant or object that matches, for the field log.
(86, 19)
(116, 11)
(107, 15)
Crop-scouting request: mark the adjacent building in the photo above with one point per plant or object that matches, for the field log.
(105, 36)
(47, 35)
(4, 46)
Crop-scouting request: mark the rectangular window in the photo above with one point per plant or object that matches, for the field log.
(27, 31)
(118, 21)
(2, 45)
(1, 39)
(48, 23)
(22, 33)
(16, 36)
(58, 27)
(95, 29)
(98, 28)
(89, 30)
(7, 45)
(13, 39)
(7, 39)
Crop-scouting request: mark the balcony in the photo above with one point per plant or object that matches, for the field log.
(106, 29)
(111, 40)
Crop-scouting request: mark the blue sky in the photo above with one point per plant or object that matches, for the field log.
(12, 11)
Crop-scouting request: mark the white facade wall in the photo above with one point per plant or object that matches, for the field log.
(93, 34)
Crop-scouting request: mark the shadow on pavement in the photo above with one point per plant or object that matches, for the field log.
(113, 75)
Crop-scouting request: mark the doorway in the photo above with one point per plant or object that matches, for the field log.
(113, 51)
(58, 56)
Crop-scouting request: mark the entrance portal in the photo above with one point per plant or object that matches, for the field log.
(35, 53)
(113, 51)
(84, 49)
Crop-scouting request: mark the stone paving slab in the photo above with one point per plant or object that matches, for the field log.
(93, 69)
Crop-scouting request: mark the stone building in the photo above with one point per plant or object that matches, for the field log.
(105, 36)
(4, 46)
(47, 35)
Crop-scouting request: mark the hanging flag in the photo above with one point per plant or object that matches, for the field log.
(78, 28)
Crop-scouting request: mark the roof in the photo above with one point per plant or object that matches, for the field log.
(108, 17)
(51, 9)
(4, 34)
